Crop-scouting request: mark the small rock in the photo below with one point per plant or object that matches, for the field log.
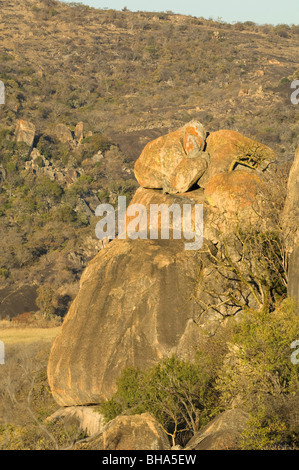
(25, 132)
(86, 418)
(63, 134)
(222, 433)
(98, 157)
(137, 432)
(79, 132)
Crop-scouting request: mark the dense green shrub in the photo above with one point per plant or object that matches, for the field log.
(264, 431)
(178, 393)
(259, 363)
(95, 143)
(247, 365)
(45, 300)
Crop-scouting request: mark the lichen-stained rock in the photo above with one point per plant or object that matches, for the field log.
(137, 432)
(230, 150)
(173, 162)
(133, 308)
(25, 132)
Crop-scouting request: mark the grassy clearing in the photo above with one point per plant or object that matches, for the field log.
(28, 335)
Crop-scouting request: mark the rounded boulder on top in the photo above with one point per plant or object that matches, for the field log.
(173, 162)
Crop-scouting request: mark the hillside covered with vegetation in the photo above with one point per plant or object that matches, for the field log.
(128, 77)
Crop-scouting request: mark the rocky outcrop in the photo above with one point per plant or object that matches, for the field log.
(138, 432)
(176, 161)
(222, 433)
(230, 150)
(125, 314)
(141, 300)
(173, 162)
(39, 165)
(25, 132)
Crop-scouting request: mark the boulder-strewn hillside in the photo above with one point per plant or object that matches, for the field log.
(93, 87)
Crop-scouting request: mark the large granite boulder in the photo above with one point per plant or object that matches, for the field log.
(222, 433)
(238, 196)
(229, 150)
(140, 301)
(173, 162)
(137, 432)
(133, 308)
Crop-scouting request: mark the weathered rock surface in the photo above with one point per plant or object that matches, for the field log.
(138, 432)
(238, 195)
(173, 162)
(222, 433)
(149, 198)
(25, 132)
(84, 418)
(125, 314)
(226, 148)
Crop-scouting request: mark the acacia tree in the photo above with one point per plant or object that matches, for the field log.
(249, 270)
(248, 265)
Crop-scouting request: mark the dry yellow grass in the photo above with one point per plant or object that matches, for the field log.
(28, 335)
